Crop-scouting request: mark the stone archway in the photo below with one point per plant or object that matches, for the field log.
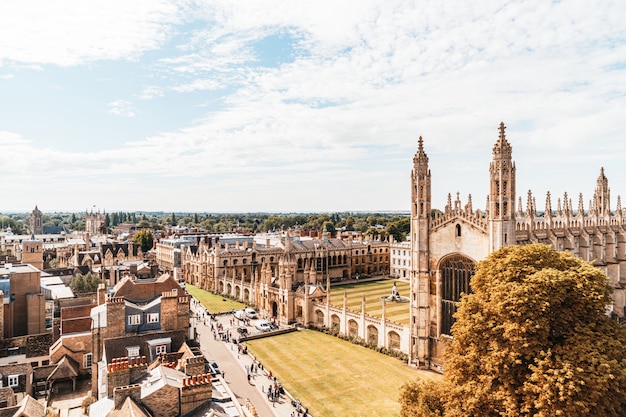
(335, 323)
(319, 318)
(372, 335)
(393, 340)
(353, 328)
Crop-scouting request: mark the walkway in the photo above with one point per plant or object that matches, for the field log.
(235, 366)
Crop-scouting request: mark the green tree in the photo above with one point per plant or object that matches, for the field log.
(173, 220)
(144, 239)
(88, 283)
(533, 339)
(329, 226)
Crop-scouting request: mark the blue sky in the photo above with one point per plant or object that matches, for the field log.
(304, 106)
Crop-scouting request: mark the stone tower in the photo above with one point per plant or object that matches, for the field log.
(35, 222)
(420, 234)
(501, 194)
(32, 252)
(602, 196)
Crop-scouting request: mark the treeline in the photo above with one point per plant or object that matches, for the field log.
(374, 224)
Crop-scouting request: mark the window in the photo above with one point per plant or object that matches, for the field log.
(152, 318)
(132, 351)
(14, 380)
(134, 319)
(456, 273)
(161, 349)
(87, 360)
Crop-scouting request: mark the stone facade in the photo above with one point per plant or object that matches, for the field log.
(447, 244)
(283, 279)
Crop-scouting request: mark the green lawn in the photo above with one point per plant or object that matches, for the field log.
(333, 377)
(212, 302)
(373, 290)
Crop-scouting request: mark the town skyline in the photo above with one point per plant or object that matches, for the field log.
(304, 107)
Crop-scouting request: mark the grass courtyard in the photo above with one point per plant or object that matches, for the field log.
(213, 302)
(373, 290)
(333, 377)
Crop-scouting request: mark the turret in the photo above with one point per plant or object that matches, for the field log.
(501, 194)
(420, 250)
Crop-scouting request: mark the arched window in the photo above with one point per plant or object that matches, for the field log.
(319, 318)
(456, 273)
(394, 340)
(372, 335)
(458, 230)
(353, 328)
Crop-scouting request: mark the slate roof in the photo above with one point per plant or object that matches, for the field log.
(116, 347)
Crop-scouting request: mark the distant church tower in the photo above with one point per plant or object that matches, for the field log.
(501, 194)
(420, 254)
(35, 223)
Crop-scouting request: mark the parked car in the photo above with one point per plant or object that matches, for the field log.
(273, 326)
(250, 313)
(240, 314)
(212, 368)
(262, 325)
(242, 331)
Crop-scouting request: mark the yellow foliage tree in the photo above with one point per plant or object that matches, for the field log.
(534, 339)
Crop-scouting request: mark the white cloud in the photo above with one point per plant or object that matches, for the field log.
(122, 108)
(73, 32)
(364, 80)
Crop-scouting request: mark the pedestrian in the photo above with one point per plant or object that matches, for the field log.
(223, 374)
(248, 378)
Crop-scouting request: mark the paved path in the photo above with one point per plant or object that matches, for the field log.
(234, 367)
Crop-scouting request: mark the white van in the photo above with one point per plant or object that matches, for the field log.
(250, 313)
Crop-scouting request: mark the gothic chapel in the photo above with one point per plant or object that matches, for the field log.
(445, 246)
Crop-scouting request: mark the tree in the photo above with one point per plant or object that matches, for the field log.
(173, 220)
(88, 283)
(423, 399)
(144, 238)
(533, 339)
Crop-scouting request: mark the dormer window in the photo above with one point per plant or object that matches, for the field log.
(132, 351)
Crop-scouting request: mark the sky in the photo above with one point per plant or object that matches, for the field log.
(304, 106)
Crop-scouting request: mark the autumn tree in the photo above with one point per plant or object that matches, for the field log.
(534, 339)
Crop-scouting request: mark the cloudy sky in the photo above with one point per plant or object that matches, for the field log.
(286, 106)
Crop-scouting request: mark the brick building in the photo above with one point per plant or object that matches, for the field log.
(141, 318)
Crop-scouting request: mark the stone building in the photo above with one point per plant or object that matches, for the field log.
(35, 222)
(285, 278)
(447, 244)
(400, 259)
